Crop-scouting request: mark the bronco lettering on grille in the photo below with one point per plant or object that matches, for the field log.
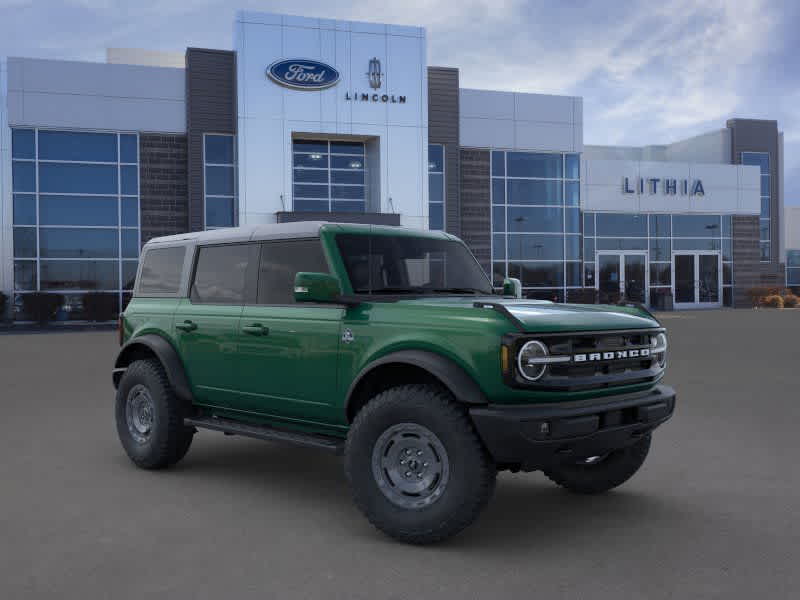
(616, 355)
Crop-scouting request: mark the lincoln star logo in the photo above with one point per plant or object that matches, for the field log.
(302, 74)
(374, 74)
(615, 355)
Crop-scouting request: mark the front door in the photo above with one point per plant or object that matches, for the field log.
(622, 275)
(697, 279)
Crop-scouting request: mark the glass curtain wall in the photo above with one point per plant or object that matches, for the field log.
(219, 160)
(536, 221)
(75, 215)
(435, 186)
(761, 160)
(328, 176)
(793, 268)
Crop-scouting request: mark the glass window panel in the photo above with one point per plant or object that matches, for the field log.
(573, 166)
(727, 249)
(498, 163)
(219, 274)
(219, 149)
(310, 146)
(661, 274)
(621, 243)
(498, 218)
(765, 185)
(79, 275)
(696, 225)
(763, 229)
(435, 158)
(347, 148)
(129, 273)
(130, 212)
(23, 176)
(161, 271)
(588, 274)
(556, 295)
(347, 192)
(727, 226)
(23, 143)
(77, 210)
(25, 275)
(25, 242)
(77, 179)
(498, 273)
(316, 161)
(588, 224)
(572, 190)
(436, 187)
(128, 148)
(622, 225)
(77, 145)
(219, 181)
(522, 191)
(793, 277)
(347, 162)
(219, 212)
(727, 297)
(572, 220)
(793, 258)
(535, 247)
(129, 183)
(311, 205)
(311, 175)
(436, 216)
(695, 244)
(759, 159)
(538, 220)
(280, 262)
(532, 164)
(543, 274)
(766, 251)
(572, 245)
(499, 247)
(660, 249)
(727, 273)
(573, 274)
(78, 243)
(660, 226)
(24, 209)
(588, 249)
(130, 243)
(348, 206)
(498, 191)
(310, 191)
(765, 208)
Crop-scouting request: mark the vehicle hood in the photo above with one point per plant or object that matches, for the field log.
(541, 316)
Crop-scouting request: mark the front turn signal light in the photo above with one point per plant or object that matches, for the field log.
(504, 362)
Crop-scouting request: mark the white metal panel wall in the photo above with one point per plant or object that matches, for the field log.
(791, 227)
(269, 114)
(491, 119)
(83, 95)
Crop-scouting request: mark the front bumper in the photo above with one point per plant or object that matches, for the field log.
(532, 437)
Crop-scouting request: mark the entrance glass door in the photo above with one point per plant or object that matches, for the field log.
(697, 279)
(622, 276)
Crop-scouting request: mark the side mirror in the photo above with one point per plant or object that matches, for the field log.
(512, 287)
(316, 287)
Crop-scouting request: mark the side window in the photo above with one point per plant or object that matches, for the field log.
(219, 277)
(161, 271)
(280, 262)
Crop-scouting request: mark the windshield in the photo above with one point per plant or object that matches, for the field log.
(385, 264)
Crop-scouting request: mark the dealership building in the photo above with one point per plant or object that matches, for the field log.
(310, 119)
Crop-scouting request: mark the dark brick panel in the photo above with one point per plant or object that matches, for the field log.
(443, 128)
(476, 219)
(163, 189)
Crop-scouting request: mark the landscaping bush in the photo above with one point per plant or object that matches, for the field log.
(773, 301)
(99, 306)
(790, 301)
(41, 306)
(758, 295)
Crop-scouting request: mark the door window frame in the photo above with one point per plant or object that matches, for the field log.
(697, 303)
(620, 254)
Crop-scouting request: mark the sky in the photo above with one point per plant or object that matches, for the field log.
(649, 72)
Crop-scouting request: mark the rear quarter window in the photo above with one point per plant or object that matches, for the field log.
(161, 271)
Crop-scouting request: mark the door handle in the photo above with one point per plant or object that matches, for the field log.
(187, 325)
(256, 329)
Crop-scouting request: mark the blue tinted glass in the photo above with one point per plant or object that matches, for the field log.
(74, 145)
(129, 273)
(219, 212)
(660, 249)
(23, 176)
(498, 218)
(572, 245)
(526, 191)
(543, 274)
(77, 210)
(345, 162)
(588, 224)
(312, 175)
(765, 185)
(696, 225)
(128, 149)
(80, 275)
(764, 229)
(793, 277)
(129, 180)
(309, 146)
(356, 176)
(727, 225)
(572, 220)
(535, 247)
(435, 158)
(347, 148)
(793, 258)
(759, 159)
(498, 191)
(25, 275)
(537, 220)
(23, 144)
(621, 244)
(77, 179)
(572, 190)
(573, 166)
(436, 216)
(660, 274)
(78, 243)
(766, 251)
(530, 164)
(219, 181)
(588, 271)
(24, 242)
(219, 149)
(24, 209)
(660, 226)
(130, 212)
(314, 161)
(347, 192)
(348, 206)
(695, 244)
(765, 208)
(310, 191)
(311, 205)
(130, 243)
(621, 225)
(499, 247)
(436, 187)
(498, 163)
(573, 274)
(588, 249)
(727, 249)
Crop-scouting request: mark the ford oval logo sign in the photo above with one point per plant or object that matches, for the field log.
(303, 74)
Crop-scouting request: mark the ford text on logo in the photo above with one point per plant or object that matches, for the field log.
(302, 74)
(616, 355)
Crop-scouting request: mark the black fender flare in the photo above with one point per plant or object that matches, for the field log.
(166, 354)
(452, 375)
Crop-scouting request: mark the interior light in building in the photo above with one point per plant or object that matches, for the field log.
(316, 156)
(355, 164)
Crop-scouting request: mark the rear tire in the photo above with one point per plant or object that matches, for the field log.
(150, 417)
(603, 473)
(416, 467)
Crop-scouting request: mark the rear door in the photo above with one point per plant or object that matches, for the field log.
(288, 351)
(206, 322)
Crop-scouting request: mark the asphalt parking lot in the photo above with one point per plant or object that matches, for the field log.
(715, 512)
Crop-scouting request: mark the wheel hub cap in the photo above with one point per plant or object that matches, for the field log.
(139, 413)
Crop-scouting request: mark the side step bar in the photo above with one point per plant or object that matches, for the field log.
(265, 432)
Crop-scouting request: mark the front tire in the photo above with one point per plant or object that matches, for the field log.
(150, 416)
(416, 466)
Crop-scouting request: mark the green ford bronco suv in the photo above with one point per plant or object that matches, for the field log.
(389, 346)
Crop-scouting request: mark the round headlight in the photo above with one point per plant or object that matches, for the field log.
(530, 360)
(658, 347)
